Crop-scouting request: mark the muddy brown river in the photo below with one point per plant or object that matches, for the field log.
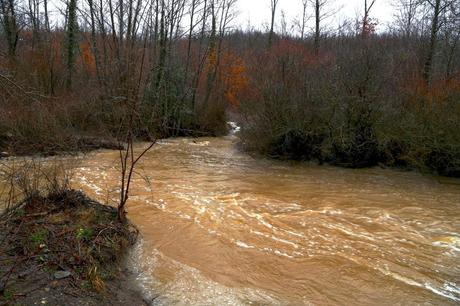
(220, 227)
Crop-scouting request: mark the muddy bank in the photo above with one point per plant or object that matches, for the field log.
(65, 249)
(11, 145)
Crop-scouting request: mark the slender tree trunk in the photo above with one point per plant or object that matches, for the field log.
(212, 55)
(47, 20)
(163, 52)
(71, 40)
(272, 23)
(366, 22)
(94, 43)
(317, 25)
(427, 70)
(451, 56)
(10, 26)
(304, 19)
(189, 44)
(200, 56)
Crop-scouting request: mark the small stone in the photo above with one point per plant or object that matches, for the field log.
(47, 289)
(61, 274)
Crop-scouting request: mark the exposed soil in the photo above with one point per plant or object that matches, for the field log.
(65, 250)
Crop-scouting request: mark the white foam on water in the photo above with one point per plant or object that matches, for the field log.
(450, 242)
(452, 293)
(447, 290)
(84, 181)
(244, 245)
(234, 128)
(188, 286)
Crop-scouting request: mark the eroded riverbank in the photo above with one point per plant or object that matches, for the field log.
(65, 249)
(221, 227)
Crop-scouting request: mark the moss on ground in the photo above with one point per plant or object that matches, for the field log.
(64, 243)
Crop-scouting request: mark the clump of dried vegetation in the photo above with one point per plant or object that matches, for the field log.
(56, 237)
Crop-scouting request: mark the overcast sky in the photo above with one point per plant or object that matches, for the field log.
(257, 12)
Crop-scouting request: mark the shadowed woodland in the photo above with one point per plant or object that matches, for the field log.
(353, 94)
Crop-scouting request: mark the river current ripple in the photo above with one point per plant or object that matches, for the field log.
(220, 227)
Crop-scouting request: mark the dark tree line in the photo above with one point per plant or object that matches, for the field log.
(344, 94)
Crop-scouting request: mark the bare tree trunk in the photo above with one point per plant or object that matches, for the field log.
(189, 44)
(273, 3)
(366, 22)
(451, 55)
(317, 25)
(322, 12)
(47, 20)
(34, 15)
(71, 40)
(128, 159)
(202, 58)
(10, 26)
(95, 49)
(427, 69)
(162, 46)
(212, 54)
(304, 19)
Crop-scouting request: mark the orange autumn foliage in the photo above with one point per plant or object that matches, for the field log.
(234, 78)
(87, 58)
(437, 92)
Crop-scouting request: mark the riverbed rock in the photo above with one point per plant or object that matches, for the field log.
(61, 274)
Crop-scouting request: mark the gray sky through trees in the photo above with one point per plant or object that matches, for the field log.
(257, 12)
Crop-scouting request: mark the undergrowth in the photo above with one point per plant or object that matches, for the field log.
(64, 231)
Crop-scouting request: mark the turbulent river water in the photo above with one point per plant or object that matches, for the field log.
(220, 227)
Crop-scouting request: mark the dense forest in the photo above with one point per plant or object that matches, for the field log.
(217, 224)
(356, 94)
